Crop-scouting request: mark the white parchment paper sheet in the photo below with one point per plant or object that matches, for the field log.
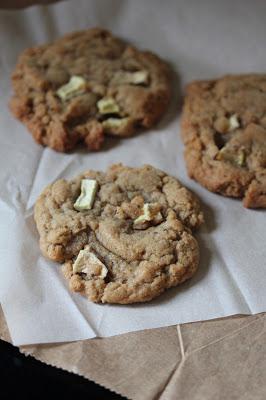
(201, 39)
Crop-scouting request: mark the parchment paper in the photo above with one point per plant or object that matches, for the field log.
(201, 40)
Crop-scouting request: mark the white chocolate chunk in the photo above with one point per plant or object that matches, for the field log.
(75, 86)
(140, 77)
(148, 214)
(233, 122)
(135, 78)
(114, 123)
(237, 158)
(86, 198)
(241, 160)
(87, 263)
(107, 105)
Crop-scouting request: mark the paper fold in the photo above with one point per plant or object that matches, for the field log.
(223, 357)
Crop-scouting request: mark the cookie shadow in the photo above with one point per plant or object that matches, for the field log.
(176, 101)
(209, 224)
(109, 143)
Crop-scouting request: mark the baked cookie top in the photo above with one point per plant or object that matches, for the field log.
(85, 85)
(224, 131)
(124, 236)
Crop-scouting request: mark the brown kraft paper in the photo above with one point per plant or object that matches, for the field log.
(219, 359)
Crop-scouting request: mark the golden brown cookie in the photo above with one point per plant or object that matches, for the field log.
(85, 85)
(224, 131)
(124, 236)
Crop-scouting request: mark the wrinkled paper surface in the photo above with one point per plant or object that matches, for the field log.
(220, 359)
(200, 40)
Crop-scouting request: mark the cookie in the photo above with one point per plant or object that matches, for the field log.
(85, 85)
(124, 236)
(224, 131)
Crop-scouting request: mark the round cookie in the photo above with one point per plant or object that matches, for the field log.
(224, 131)
(85, 85)
(124, 236)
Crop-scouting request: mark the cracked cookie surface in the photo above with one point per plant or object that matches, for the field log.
(85, 85)
(133, 243)
(224, 131)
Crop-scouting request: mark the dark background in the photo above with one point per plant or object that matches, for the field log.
(24, 377)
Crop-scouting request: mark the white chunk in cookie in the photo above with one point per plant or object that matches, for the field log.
(150, 213)
(88, 263)
(133, 78)
(111, 124)
(233, 122)
(140, 77)
(235, 157)
(74, 87)
(86, 198)
(107, 105)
